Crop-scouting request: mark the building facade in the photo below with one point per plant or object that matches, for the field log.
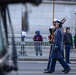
(40, 17)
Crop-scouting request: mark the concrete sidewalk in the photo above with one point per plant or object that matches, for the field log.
(30, 54)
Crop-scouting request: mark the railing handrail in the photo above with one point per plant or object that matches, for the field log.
(31, 43)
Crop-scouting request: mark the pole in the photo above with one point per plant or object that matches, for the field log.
(53, 11)
(24, 29)
(75, 22)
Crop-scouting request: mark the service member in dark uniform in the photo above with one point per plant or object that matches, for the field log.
(56, 53)
(51, 30)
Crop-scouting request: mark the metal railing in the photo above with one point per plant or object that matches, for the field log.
(27, 50)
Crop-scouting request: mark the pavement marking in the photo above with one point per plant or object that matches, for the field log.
(40, 72)
(31, 62)
(28, 72)
(73, 62)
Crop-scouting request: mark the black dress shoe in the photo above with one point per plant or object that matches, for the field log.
(64, 70)
(67, 70)
(48, 72)
(69, 62)
(45, 69)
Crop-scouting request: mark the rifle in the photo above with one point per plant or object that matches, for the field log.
(63, 20)
(53, 30)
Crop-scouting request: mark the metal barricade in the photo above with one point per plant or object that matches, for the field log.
(29, 50)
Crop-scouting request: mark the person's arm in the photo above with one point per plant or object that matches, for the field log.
(57, 38)
(71, 41)
(64, 38)
(34, 38)
(40, 38)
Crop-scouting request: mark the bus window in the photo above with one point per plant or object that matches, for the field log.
(3, 43)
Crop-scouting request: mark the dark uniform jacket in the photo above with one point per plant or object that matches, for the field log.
(57, 45)
(68, 39)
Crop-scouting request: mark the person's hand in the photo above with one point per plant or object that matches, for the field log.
(56, 48)
(49, 41)
(71, 46)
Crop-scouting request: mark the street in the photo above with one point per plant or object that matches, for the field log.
(37, 68)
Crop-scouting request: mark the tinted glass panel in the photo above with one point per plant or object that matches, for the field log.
(66, 0)
(3, 45)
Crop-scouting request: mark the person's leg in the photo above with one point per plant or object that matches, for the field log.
(49, 63)
(63, 50)
(40, 50)
(75, 46)
(64, 65)
(67, 52)
(36, 49)
(52, 66)
(63, 54)
(50, 59)
(69, 48)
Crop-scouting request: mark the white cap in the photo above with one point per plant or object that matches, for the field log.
(24, 33)
(52, 27)
(56, 20)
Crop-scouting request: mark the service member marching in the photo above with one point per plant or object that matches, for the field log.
(56, 53)
(51, 30)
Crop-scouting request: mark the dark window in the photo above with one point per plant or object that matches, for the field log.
(3, 43)
(63, 0)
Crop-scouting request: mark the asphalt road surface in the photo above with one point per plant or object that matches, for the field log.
(37, 68)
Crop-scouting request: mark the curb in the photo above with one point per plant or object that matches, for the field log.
(37, 59)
